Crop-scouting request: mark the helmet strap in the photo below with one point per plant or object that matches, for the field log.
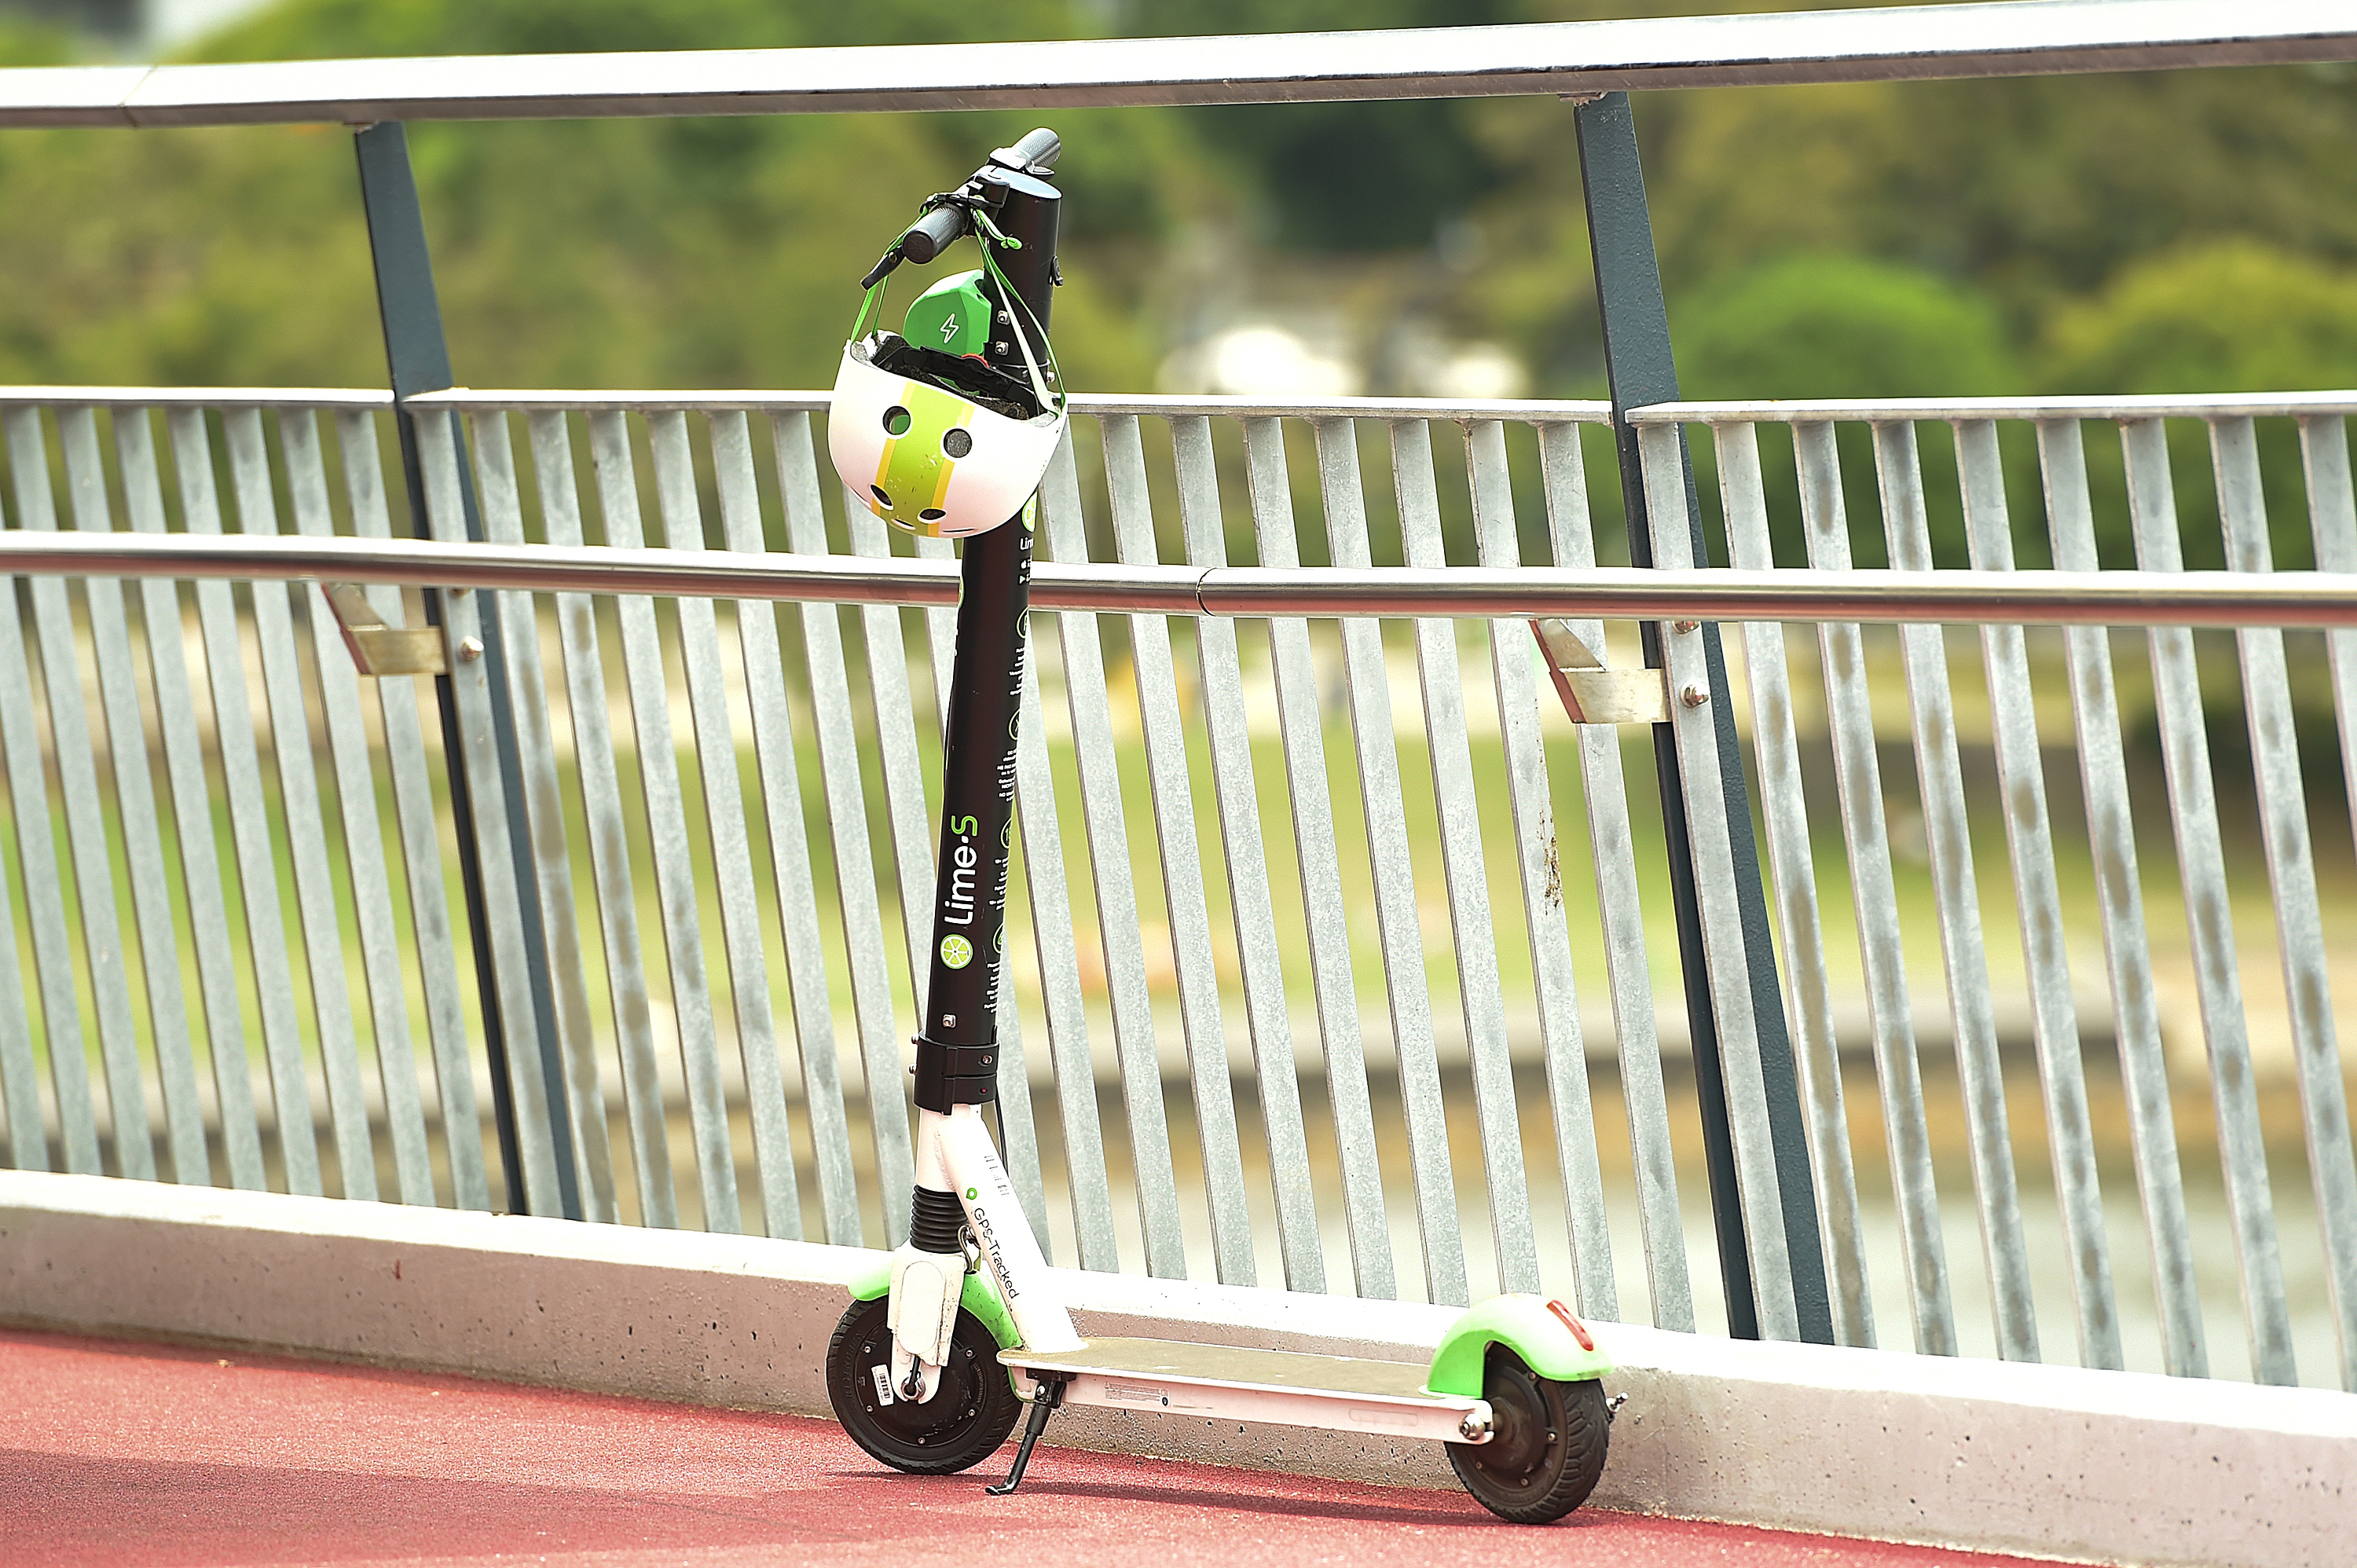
(873, 303)
(989, 235)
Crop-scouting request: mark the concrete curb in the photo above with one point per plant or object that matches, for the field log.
(2057, 1462)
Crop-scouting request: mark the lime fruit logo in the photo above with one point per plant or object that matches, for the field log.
(956, 951)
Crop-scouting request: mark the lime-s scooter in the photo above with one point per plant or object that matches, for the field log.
(946, 1342)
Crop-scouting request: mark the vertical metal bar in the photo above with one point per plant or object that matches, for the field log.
(192, 817)
(339, 704)
(1639, 367)
(1457, 802)
(1857, 774)
(846, 810)
(1241, 847)
(135, 794)
(37, 862)
(257, 876)
(515, 945)
(552, 853)
(781, 804)
(1060, 985)
(2201, 865)
(421, 844)
(1117, 893)
(1621, 911)
(20, 1088)
(1898, 477)
(2291, 870)
(2038, 898)
(896, 755)
(1182, 863)
(1392, 870)
(29, 1141)
(608, 833)
(102, 934)
(1784, 803)
(642, 666)
(298, 799)
(940, 626)
(732, 855)
(419, 361)
(1321, 875)
(2119, 894)
(1561, 1041)
(1683, 666)
(2332, 523)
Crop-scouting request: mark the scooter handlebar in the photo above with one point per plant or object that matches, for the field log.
(1036, 150)
(934, 232)
(943, 226)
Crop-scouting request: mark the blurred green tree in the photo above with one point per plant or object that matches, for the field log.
(659, 253)
(2227, 316)
(1818, 327)
(1836, 327)
(2234, 315)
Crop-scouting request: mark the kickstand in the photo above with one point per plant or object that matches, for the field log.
(1044, 1404)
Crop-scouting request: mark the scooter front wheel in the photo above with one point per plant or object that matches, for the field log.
(963, 1424)
(1548, 1447)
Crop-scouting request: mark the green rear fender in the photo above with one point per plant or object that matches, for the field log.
(979, 1297)
(1545, 1334)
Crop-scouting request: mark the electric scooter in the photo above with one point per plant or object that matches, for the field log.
(947, 1341)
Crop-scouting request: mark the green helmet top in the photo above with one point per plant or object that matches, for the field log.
(953, 316)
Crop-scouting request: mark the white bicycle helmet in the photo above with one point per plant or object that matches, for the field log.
(936, 442)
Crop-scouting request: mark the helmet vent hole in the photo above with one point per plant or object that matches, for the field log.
(881, 498)
(931, 514)
(896, 420)
(958, 443)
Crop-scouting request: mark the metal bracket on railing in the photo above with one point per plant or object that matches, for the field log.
(378, 649)
(1593, 694)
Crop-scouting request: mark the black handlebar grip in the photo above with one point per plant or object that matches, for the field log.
(934, 232)
(1039, 149)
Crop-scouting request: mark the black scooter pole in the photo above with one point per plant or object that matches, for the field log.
(957, 1049)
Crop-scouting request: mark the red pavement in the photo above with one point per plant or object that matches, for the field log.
(138, 1455)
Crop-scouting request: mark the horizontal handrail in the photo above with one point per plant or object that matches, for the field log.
(1524, 411)
(2164, 405)
(1897, 43)
(808, 401)
(2018, 599)
(1535, 411)
(194, 397)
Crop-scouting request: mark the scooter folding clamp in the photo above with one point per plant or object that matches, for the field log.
(950, 1075)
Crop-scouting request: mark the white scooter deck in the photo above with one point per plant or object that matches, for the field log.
(1282, 1386)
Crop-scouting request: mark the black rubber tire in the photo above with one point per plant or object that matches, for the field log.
(1549, 1447)
(962, 1424)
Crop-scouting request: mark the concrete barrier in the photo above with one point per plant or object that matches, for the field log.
(2109, 1467)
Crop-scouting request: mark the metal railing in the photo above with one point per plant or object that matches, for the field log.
(1903, 43)
(2069, 540)
(1290, 1014)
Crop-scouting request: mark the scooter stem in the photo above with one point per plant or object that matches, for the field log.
(957, 1049)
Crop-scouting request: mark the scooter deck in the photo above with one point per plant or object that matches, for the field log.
(1167, 1363)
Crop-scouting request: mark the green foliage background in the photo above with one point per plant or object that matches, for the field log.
(2181, 230)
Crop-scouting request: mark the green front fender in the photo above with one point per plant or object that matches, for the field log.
(1526, 1324)
(979, 1297)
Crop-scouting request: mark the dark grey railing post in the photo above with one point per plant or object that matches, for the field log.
(1638, 359)
(419, 357)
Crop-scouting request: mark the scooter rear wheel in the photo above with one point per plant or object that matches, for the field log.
(963, 1424)
(1548, 1447)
